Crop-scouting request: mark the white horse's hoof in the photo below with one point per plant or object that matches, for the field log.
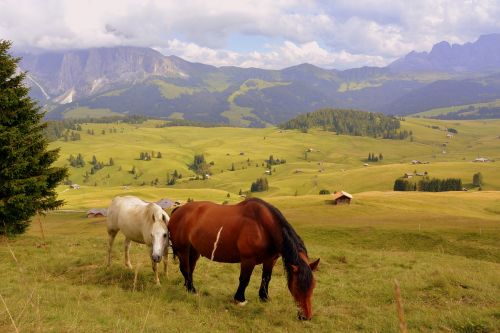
(241, 303)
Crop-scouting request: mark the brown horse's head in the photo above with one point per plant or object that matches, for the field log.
(301, 283)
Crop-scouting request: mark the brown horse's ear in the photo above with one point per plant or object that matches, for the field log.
(314, 265)
(295, 268)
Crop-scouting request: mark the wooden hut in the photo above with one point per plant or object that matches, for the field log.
(341, 198)
(97, 212)
(165, 203)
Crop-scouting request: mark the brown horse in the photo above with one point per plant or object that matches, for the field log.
(252, 232)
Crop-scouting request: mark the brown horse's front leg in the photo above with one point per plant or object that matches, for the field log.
(267, 270)
(245, 274)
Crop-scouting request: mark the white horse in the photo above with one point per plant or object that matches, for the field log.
(141, 222)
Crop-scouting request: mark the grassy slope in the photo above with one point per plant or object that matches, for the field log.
(236, 113)
(446, 110)
(83, 112)
(443, 248)
(340, 158)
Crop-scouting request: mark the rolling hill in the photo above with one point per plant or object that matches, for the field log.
(132, 80)
(314, 160)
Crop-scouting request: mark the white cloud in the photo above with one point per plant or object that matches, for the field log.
(337, 33)
(285, 55)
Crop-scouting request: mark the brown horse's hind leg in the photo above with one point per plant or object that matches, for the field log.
(245, 273)
(267, 270)
(187, 268)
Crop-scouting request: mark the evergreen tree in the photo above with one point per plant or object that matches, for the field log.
(477, 179)
(80, 162)
(27, 179)
(259, 185)
(111, 161)
(200, 166)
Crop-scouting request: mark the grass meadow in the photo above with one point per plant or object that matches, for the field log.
(443, 248)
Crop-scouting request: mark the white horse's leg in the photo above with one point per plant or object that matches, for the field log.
(165, 261)
(127, 254)
(155, 269)
(112, 235)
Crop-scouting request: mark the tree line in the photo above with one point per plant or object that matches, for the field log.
(374, 158)
(429, 185)
(192, 123)
(259, 185)
(56, 129)
(349, 122)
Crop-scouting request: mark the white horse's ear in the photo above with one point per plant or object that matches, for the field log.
(164, 218)
(153, 218)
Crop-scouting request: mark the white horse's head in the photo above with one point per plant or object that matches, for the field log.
(159, 231)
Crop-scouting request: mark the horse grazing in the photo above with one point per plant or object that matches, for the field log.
(252, 232)
(141, 222)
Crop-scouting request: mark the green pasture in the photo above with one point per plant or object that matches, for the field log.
(443, 248)
(84, 112)
(334, 162)
(446, 110)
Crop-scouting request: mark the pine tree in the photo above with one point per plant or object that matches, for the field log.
(477, 179)
(27, 178)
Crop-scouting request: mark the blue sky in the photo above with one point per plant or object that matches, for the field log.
(268, 34)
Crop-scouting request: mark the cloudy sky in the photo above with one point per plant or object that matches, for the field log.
(268, 34)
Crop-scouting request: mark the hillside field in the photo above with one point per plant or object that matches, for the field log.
(334, 162)
(443, 248)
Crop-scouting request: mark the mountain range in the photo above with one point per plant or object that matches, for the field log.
(134, 80)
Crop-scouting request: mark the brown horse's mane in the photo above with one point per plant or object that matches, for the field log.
(292, 245)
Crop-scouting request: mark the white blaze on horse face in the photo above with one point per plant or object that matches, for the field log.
(215, 243)
(159, 239)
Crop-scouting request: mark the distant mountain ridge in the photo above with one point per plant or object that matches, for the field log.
(134, 80)
(480, 56)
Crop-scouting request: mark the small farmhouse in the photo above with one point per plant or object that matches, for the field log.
(97, 212)
(75, 186)
(165, 203)
(481, 160)
(340, 198)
